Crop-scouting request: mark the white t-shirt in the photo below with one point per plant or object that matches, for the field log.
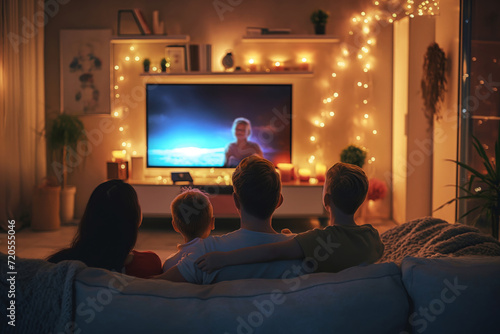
(234, 240)
(183, 249)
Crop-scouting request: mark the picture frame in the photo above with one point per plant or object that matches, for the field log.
(176, 56)
(85, 68)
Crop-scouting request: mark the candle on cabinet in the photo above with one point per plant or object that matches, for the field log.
(304, 174)
(286, 171)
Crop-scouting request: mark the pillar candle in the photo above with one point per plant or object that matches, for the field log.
(304, 174)
(286, 171)
(320, 172)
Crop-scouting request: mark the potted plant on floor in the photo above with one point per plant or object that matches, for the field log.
(319, 18)
(63, 136)
(482, 187)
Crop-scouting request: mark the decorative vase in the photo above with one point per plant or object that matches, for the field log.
(319, 29)
(46, 209)
(68, 204)
(228, 61)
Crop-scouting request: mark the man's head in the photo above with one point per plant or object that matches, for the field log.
(345, 187)
(257, 186)
(192, 214)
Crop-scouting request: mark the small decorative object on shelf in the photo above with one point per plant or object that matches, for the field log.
(319, 19)
(252, 66)
(304, 175)
(304, 65)
(286, 171)
(146, 64)
(354, 155)
(163, 65)
(228, 61)
(320, 172)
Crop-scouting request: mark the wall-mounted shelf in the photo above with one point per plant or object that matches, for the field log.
(232, 74)
(163, 39)
(291, 39)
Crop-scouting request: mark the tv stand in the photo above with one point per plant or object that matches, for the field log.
(300, 199)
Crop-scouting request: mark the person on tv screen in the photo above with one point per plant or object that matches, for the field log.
(242, 147)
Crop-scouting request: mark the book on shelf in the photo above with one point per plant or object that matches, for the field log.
(258, 31)
(142, 21)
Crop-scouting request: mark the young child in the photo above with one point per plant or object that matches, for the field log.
(341, 245)
(192, 217)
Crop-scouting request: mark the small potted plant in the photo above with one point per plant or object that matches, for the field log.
(63, 136)
(163, 65)
(146, 64)
(319, 18)
(354, 155)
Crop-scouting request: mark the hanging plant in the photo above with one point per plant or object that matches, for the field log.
(433, 82)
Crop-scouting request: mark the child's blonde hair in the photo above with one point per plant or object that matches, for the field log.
(192, 213)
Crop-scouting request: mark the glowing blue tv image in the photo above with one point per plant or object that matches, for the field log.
(191, 125)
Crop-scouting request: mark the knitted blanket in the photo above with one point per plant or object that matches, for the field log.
(43, 295)
(431, 238)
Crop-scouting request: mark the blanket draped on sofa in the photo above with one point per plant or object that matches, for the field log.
(432, 238)
(43, 295)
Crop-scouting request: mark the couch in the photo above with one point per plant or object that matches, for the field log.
(449, 295)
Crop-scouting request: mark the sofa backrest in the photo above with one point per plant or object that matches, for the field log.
(363, 299)
(453, 295)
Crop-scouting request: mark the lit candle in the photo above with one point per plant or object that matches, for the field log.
(286, 171)
(277, 66)
(252, 66)
(304, 174)
(320, 172)
(304, 65)
(118, 155)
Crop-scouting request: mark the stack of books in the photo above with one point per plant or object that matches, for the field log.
(258, 31)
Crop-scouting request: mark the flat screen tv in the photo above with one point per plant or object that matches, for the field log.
(205, 125)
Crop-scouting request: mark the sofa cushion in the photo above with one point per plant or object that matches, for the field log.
(453, 295)
(364, 299)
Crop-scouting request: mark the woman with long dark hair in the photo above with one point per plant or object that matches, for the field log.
(108, 232)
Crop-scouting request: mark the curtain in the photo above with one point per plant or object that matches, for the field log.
(22, 107)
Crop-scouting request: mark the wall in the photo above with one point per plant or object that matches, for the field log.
(202, 23)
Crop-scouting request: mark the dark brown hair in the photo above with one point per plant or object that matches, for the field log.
(347, 185)
(258, 186)
(192, 213)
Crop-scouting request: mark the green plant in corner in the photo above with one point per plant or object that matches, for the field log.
(354, 155)
(433, 84)
(63, 135)
(484, 187)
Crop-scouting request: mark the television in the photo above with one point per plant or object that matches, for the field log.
(193, 125)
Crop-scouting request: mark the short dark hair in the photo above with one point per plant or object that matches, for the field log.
(347, 185)
(258, 186)
(192, 212)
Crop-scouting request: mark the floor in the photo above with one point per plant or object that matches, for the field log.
(155, 234)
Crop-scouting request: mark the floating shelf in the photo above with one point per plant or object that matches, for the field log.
(231, 74)
(291, 39)
(163, 39)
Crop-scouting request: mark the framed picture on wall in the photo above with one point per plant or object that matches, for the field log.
(85, 78)
(176, 56)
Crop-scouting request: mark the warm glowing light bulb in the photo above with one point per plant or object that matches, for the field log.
(374, 132)
(369, 42)
(304, 60)
(120, 128)
(365, 49)
(311, 159)
(332, 113)
(312, 138)
(124, 144)
(365, 101)
(365, 70)
(137, 58)
(325, 101)
(335, 94)
(134, 153)
(329, 100)
(334, 75)
(366, 116)
(322, 124)
(360, 56)
(316, 122)
(377, 3)
(155, 68)
(117, 67)
(366, 30)
(351, 32)
(124, 151)
(116, 86)
(117, 95)
(341, 64)
(360, 83)
(363, 13)
(129, 145)
(394, 14)
(251, 61)
(358, 138)
(354, 19)
(372, 159)
(132, 48)
(365, 85)
(277, 63)
(391, 20)
(122, 78)
(345, 52)
(127, 58)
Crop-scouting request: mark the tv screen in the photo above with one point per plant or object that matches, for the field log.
(217, 125)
